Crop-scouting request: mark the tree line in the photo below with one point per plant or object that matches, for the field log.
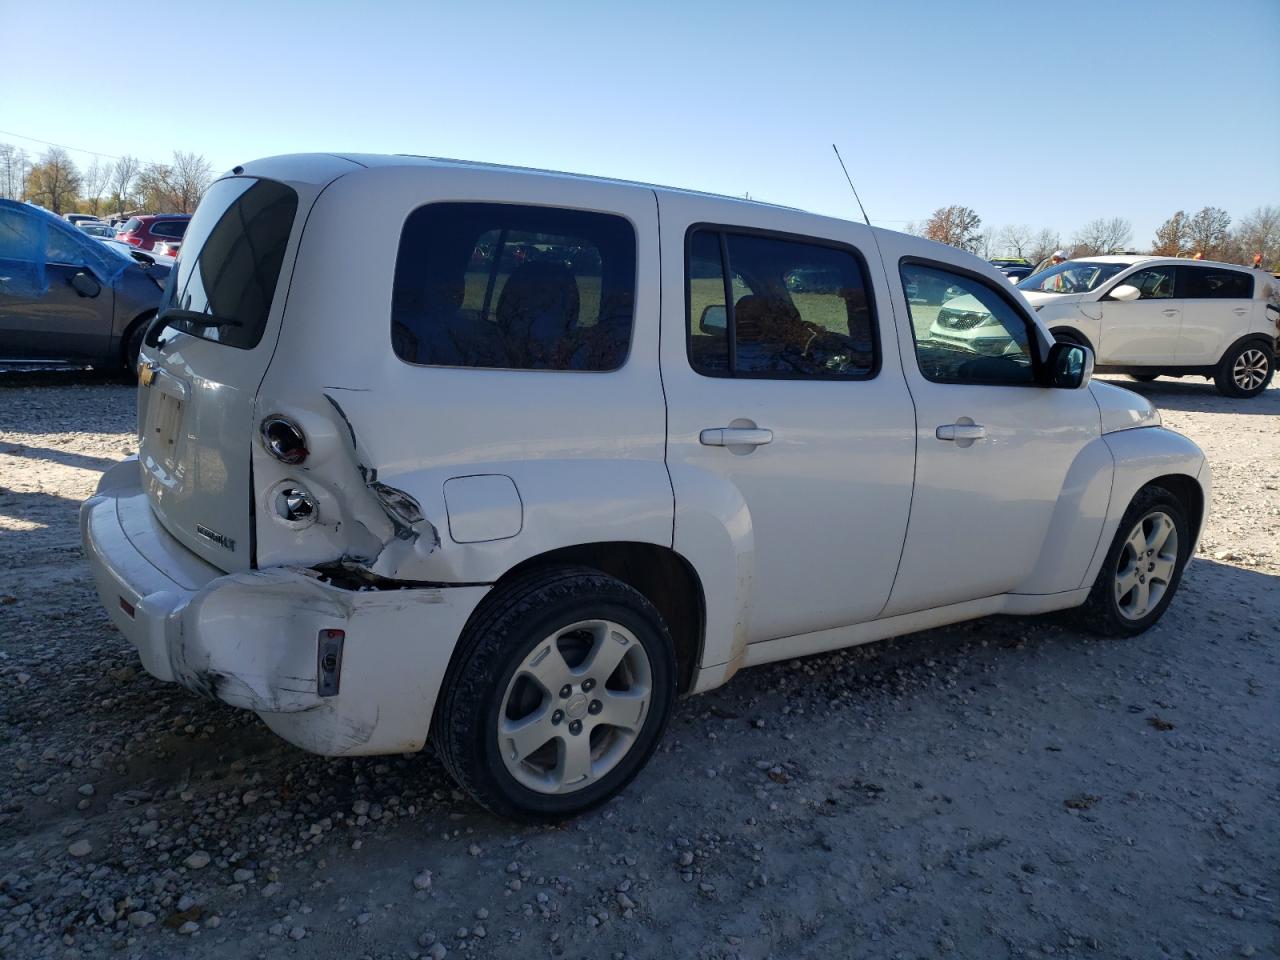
(1208, 232)
(104, 188)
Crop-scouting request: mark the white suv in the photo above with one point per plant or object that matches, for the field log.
(1153, 316)
(542, 452)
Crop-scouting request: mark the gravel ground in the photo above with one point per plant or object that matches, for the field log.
(1003, 788)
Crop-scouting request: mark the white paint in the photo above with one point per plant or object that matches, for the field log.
(456, 476)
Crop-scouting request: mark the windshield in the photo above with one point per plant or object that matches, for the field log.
(1072, 276)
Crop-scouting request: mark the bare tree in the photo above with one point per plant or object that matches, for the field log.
(1103, 236)
(12, 174)
(123, 174)
(190, 178)
(1173, 236)
(54, 181)
(956, 225)
(94, 182)
(154, 188)
(1043, 244)
(1015, 239)
(1208, 233)
(1259, 233)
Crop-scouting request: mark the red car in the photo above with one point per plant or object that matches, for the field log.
(145, 232)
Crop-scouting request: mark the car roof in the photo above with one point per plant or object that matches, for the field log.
(1147, 258)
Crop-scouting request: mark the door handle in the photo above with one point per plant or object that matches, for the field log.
(1170, 312)
(1240, 311)
(735, 437)
(961, 432)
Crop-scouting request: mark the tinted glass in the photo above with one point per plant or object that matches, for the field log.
(514, 287)
(964, 331)
(231, 264)
(169, 229)
(1155, 283)
(798, 309)
(1210, 283)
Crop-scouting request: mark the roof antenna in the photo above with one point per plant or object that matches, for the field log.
(851, 186)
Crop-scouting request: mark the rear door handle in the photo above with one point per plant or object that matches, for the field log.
(1240, 311)
(1170, 313)
(735, 437)
(961, 431)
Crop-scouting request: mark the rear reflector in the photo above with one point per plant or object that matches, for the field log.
(127, 607)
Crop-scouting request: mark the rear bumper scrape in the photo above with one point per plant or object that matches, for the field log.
(251, 639)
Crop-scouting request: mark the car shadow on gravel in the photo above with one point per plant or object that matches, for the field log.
(1200, 396)
(33, 376)
(65, 457)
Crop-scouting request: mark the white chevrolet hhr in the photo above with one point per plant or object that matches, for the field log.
(542, 452)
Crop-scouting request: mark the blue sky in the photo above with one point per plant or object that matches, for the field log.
(1044, 114)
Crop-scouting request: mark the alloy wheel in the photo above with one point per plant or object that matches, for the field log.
(574, 707)
(1250, 369)
(1146, 566)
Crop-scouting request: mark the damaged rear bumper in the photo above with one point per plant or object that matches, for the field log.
(253, 639)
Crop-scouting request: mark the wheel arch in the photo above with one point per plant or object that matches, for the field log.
(662, 576)
(1262, 339)
(1152, 456)
(1064, 332)
(141, 320)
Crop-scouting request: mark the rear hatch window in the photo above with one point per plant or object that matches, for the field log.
(231, 257)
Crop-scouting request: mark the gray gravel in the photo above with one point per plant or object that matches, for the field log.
(1003, 788)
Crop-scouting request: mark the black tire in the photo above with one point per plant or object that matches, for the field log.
(1237, 374)
(1066, 336)
(133, 346)
(1144, 377)
(507, 628)
(1101, 612)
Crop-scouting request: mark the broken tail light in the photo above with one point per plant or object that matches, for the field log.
(284, 439)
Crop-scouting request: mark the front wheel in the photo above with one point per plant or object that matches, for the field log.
(1144, 377)
(560, 691)
(1143, 568)
(1245, 371)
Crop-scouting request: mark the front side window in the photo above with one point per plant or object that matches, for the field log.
(964, 331)
(514, 287)
(1213, 283)
(231, 262)
(1154, 283)
(774, 307)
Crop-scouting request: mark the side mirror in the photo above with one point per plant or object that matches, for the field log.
(714, 319)
(1069, 366)
(1125, 292)
(84, 284)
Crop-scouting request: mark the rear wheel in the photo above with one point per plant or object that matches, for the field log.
(1144, 377)
(561, 689)
(1245, 370)
(1143, 568)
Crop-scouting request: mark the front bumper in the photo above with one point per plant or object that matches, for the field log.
(252, 639)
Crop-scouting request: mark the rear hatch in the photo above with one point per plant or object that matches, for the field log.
(203, 362)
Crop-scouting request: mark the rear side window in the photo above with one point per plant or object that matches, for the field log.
(514, 287)
(169, 229)
(231, 264)
(768, 306)
(1210, 283)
